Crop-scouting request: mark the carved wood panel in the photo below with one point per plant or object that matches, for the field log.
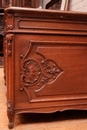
(46, 67)
(45, 61)
(37, 72)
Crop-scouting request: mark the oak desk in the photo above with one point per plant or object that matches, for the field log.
(45, 56)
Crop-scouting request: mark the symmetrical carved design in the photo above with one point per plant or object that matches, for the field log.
(10, 113)
(27, 3)
(37, 72)
(9, 39)
(10, 21)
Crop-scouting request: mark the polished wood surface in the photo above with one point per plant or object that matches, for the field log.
(19, 3)
(45, 61)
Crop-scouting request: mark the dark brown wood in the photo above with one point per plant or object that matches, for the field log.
(45, 61)
(0, 3)
(1, 44)
(26, 3)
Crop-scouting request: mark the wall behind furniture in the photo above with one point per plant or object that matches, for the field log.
(78, 5)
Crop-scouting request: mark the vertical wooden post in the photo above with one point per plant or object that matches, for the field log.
(10, 3)
(66, 7)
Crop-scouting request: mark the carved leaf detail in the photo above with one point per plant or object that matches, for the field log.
(9, 39)
(50, 68)
(50, 71)
(10, 21)
(10, 108)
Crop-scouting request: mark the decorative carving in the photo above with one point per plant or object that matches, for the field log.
(10, 107)
(27, 3)
(37, 71)
(9, 39)
(31, 72)
(10, 21)
(10, 113)
(50, 71)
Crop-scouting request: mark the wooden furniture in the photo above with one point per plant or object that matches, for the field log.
(1, 32)
(45, 61)
(18, 3)
(25, 3)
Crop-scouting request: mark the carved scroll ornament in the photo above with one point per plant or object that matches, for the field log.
(10, 108)
(9, 21)
(46, 72)
(9, 39)
(10, 113)
(50, 71)
(37, 72)
(30, 73)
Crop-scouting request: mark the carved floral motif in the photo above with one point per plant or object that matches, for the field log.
(10, 113)
(50, 71)
(10, 21)
(10, 109)
(30, 73)
(36, 72)
(9, 39)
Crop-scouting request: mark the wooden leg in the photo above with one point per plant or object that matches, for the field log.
(10, 125)
(10, 113)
